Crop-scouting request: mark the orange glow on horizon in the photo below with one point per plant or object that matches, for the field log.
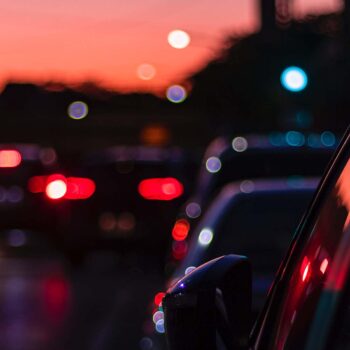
(72, 42)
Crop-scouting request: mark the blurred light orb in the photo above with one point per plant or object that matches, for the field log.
(160, 326)
(239, 144)
(189, 269)
(295, 138)
(146, 71)
(247, 186)
(176, 93)
(328, 139)
(78, 110)
(146, 343)
(294, 79)
(277, 139)
(16, 238)
(48, 156)
(14, 194)
(205, 237)
(157, 316)
(56, 189)
(193, 210)
(213, 164)
(178, 39)
(107, 221)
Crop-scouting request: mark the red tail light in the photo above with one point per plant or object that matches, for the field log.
(162, 189)
(37, 184)
(10, 158)
(79, 188)
(180, 230)
(58, 186)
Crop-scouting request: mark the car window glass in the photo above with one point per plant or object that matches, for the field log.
(276, 214)
(314, 264)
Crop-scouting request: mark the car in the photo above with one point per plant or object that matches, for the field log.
(276, 155)
(138, 192)
(307, 305)
(256, 218)
(19, 207)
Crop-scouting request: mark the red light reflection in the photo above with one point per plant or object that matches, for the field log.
(180, 230)
(10, 158)
(163, 189)
(324, 266)
(179, 250)
(305, 269)
(56, 297)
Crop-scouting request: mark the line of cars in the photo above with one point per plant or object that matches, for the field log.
(307, 305)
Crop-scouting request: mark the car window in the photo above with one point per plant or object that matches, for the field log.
(260, 226)
(313, 268)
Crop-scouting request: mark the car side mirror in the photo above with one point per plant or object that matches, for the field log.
(210, 308)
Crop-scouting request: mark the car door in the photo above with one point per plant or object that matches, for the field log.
(304, 300)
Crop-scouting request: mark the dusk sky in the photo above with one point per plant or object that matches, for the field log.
(106, 40)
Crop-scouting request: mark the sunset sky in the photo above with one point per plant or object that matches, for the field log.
(106, 40)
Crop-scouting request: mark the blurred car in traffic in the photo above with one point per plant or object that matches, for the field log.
(292, 154)
(19, 207)
(252, 218)
(138, 193)
(307, 306)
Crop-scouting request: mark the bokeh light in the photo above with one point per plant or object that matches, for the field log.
(294, 79)
(155, 135)
(180, 230)
(157, 316)
(56, 189)
(205, 237)
(193, 210)
(176, 93)
(107, 221)
(213, 164)
(247, 186)
(159, 298)
(14, 194)
(146, 71)
(295, 138)
(160, 326)
(239, 144)
(179, 39)
(16, 238)
(48, 156)
(328, 139)
(189, 269)
(10, 158)
(78, 110)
